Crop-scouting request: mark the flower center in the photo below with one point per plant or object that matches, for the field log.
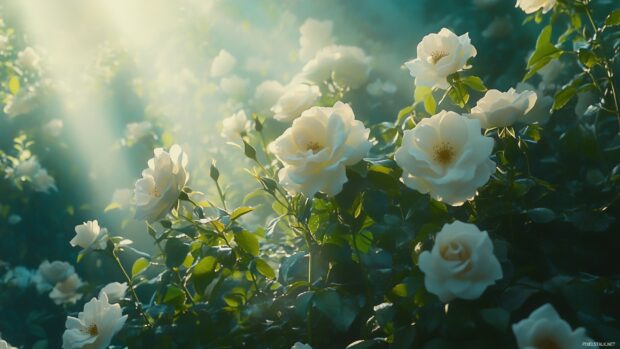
(92, 330)
(155, 192)
(314, 146)
(444, 153)
(547, 343)
(436, 56)
(454, 251)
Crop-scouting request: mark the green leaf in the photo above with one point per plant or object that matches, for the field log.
(14, 84)
(474, 83)
(339, 310)
(265, 269)
(139, 265)
(564, 96)
(496, 317)
(423, 94)
(175, 251)
(174, 295)
(240, 211)
(544, 53)
(587, 58)
(111, 206)
(613, 18)
(248, 242)
(205, 266)
(541, 215)
(249, 151)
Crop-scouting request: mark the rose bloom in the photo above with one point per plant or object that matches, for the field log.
(95, 326)
(5, 345)
(447, 156)
(66, 291)
(266, 95)
(90, 235)
(300, 345)
(439, 55)
(161, 183)
(22, 103)
(235, 125)
(347, 66)
(501, 109)
(42, 182)
(461, 263)
(544, 328)
(115, 291)
(317, 147)
(295, 99)
(314, 36)
(137, 130)
(223, 64)
(49, 274)
(541, 111)
(28, 59)
(20, 277)
(531, 6)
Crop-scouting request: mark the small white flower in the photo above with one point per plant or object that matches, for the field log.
(544, 328)
(347, 66)
(542, 109)
(29, 59)
(115, 291)
(223, 64)
(379, 88)
(234, 86)
(137, 130)
(235, 125)
(20, 277)
(296, 99)
(49, 274)
(22, 103)
(461, 263)
(438, 56)
(4, 42)
(501, 109)
(95, 326)
(161, 183)
(27, 168)
(317, 147)
(314, 36)
(66, 291)
(5, 345)
(53, 128)
(447, 156)
(90, 235)
(300, 345)
(266, 96)
(42, 182)
(531, 6)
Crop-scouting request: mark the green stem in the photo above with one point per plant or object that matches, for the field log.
(133, 293)
(221, 194)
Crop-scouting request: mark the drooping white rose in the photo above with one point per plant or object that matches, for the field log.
(235, 125)
(439, 55)
(300, 345)
(317, 147)
(447, 156)
(66, 291)
(531, 6)
(42, 182)
(54, 127)
(223, 64)
(161, 183)
(90, 235)
(542, 109)
(234, 86)
(296, 99)
(347, 66)
(29, 59)
(314, 36)
(115, 291)
(137, 130)
(49, 274)
(95, 326)
(266, 96)
(461, 263)
(5, 345)
(501, 109)
(544, 328)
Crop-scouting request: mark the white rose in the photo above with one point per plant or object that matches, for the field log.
(223, 64)
(439, 55)
(5, 345)
(115, 291)
(447, 156)
(461, 263)
(42, 182)
(95, 326)
(66, 291)
(317, 147)
(347, 66)
(27, 168)
(501, 109)
(314, 36)
(235, 125)
(300, 345)
(545, 329)
(542, 109)
(49, 274)
(161, 183)
(54, 127)
(90, 235)
(28, 59)
(22, 103)
(296, 99)
(19, 277)
(266, 96)
(531, 6)
(234, 86)
(137, 130)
